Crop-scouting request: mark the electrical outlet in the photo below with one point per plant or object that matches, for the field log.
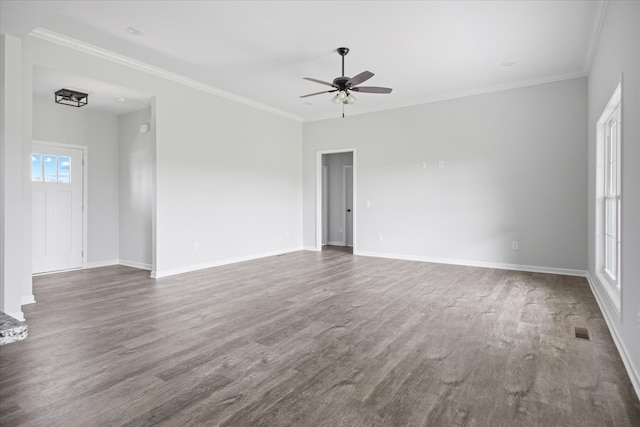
(367, 204)
(514, 246)
(379, 237)
(339, 229)
(441, 164)
(196, 246)
(424, 165)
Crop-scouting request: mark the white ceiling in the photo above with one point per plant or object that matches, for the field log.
(260, 50)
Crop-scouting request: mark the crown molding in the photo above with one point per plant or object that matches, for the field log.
(108, 55)
(596, 36)
(447, 96)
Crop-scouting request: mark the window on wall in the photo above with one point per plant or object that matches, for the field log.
(50, 168)
(612, 196)
(609, 196)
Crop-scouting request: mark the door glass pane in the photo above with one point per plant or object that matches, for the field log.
(64, 169)
(50, 168)
(36, 167)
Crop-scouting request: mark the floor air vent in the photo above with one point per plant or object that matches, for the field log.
(582, 333)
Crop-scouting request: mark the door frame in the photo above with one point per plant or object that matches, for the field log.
(85, 198)
(344, 205)
(319, 204)
(325, 206)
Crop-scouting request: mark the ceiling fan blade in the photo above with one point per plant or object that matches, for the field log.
(372, 89)
(319, 93)
(360, 78)
(320, 81)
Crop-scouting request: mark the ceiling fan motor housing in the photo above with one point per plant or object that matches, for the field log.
(341, 82)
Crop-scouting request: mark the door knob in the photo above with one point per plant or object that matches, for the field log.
(348, 210)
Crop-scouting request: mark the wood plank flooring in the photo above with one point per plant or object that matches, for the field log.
(314, 339)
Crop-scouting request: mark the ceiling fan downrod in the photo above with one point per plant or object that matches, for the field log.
(343, 52)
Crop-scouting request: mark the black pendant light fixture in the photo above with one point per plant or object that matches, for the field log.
(71, 98)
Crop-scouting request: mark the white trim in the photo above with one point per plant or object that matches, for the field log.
(196, 267)
(18, 315)
(336, 243)
(344, 205)
(87, 48)
(595, 36)
(47, 273)
(634, 376)
(318, 221)
(98, 264)
(325, 205)
(453, 95)
(27, 299)
(613, 290)
(482, 264)
(311, 248)
(134, 264)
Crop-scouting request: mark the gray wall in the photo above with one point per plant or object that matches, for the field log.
(335, 163)
(136, 154)
(514, 170)
(99, 132)
(618, 52)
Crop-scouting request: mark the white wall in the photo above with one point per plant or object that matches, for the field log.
(618, 52)
(515, 170)
(136, 189)
(99, 132)
(228, 178)
(12, 278)
(226, 174)
(335, 163)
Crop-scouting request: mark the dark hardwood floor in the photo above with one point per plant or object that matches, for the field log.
(314, 339)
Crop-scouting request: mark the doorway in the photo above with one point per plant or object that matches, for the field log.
(335, 196)
(57, 194)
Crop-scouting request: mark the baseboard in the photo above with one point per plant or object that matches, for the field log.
(334, 243)
(97, 264)
(27, 299)
(134, 264)
(482, 264)
(190, 268)
(18, 315)
(311, 248)
(622, 350)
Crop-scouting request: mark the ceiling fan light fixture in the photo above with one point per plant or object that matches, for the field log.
(345, 85)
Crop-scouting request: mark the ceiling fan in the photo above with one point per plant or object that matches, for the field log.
(345, 85)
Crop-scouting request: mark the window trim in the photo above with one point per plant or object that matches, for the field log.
(612, 286)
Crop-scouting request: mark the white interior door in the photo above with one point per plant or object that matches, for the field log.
(325, 205)
(348, 204)
(57, 192)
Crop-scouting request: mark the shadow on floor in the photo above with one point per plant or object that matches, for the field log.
(344, 249)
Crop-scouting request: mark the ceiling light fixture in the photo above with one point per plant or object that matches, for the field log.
(121, 99)
(71, 98)
(508, 63)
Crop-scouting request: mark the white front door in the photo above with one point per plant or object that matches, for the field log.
(57, 192)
